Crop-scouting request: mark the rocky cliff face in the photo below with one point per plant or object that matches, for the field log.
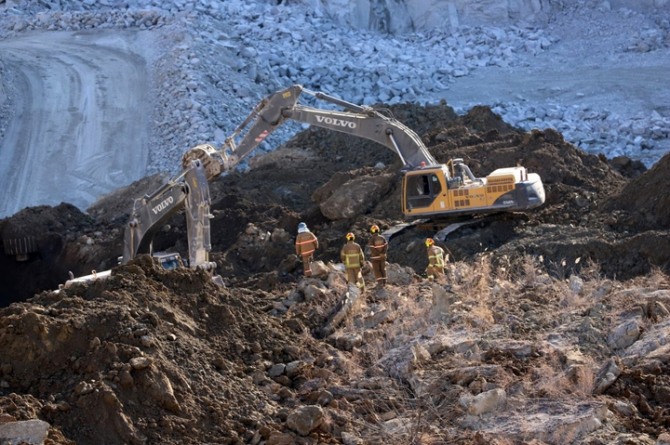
(400, 16)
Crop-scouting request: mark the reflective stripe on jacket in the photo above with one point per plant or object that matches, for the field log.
(436, 256)
(306, 243)
(352, 255)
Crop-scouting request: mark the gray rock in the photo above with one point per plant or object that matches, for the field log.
(305, 419)
(25, 432)
(607, 375)
(486, 402)
(277, 369)
(625, 334)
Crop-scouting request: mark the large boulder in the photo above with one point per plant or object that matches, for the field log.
(348, 194)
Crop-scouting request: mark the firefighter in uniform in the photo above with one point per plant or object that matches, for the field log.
(353, 259)
(378, 247)
(436, 260)
(305, 245)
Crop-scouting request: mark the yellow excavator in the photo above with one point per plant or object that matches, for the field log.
(429, 189)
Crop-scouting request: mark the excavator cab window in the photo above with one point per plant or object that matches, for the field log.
(422, 189)
(170, 264)
(455, 182)
(169, 261)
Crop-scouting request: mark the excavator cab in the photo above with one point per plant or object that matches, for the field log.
(424, 190)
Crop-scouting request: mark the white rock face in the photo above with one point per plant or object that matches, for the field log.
(404, 16)
(638, 4)
(400, 16)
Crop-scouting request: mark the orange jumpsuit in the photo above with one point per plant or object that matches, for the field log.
(305, 245)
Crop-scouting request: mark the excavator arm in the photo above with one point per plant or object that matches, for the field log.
(189, 192)
(274, 110)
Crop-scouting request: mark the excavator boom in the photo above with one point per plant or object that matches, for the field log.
(274, 110)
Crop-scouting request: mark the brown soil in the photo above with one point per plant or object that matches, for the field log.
(158, 357)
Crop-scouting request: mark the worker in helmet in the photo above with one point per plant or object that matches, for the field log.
(378, 247)
(353, 258)
(305, 245)
(436, 260)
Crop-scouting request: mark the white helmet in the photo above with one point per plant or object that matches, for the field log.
(302, 227)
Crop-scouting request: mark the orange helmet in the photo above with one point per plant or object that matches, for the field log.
(351, 236)
(374, 228)
(429, 242)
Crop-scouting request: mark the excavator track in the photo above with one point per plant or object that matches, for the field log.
(443, 227)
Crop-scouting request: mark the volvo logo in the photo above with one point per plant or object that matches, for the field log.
(335, 122)
(163, 205)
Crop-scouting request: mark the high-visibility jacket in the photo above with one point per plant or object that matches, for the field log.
(352, 255)
(378, 248)
(306, 243)
(436, 256)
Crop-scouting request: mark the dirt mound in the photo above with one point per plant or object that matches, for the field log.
(149, 356)
(644, 204)
(115, 208)
(36, 242)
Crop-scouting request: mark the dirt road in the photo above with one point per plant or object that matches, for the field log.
(79, 122)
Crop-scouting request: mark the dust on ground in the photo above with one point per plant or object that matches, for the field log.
(537, 305)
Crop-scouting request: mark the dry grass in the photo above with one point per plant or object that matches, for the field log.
(550, 381)
(482, 278)
(531, 269)
(584, 379)
(554, 380)
(488, 296)
(570, 299)
(658, 279)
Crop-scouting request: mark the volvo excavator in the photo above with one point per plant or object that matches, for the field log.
(429, 189)
(189, 192)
